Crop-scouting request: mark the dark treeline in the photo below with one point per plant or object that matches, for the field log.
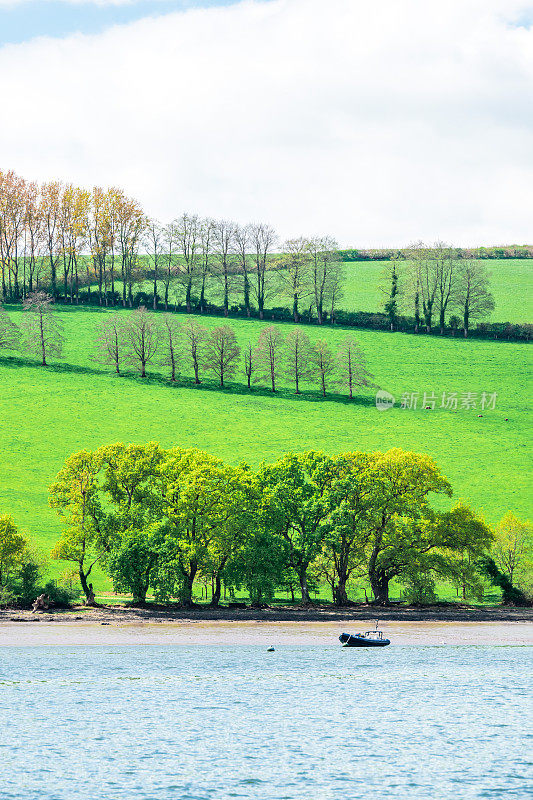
(99, 248)
(166, 522)
(495, 252)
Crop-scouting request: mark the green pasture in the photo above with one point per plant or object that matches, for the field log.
(47, 413)
(511, 282)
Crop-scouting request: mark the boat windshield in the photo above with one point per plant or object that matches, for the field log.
(374, 635)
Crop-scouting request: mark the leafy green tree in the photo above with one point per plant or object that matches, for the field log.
(466, 539)
(132, 561)
(13, 548)
(202, 502)
(134, 520)
(259, 565)
(513, 550)
(399, 527)
(391, 304)
(75, 495)
(352, 501)
(295, 505)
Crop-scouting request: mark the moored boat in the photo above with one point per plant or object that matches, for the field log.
(373, 638)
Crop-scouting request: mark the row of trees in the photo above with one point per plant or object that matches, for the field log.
(160, 520)
(163, 521)
(432, 282)
(142, 339)
(99, 246)
(73, 242)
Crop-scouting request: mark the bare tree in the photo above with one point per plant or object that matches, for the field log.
(172, 344)
(142, 339)
(262, 239)
(111, 341)
(324, 362)
(207, 228)
(296, 275)
(241, 246)
(352, 368)
(472, 294)
(424, 274)
(9, 333)
(268, 355)
(169, 259)
(50, 210)
(155, 247)
(43, 331)
(327, 272)
(195, 336)
(222, 352)
(447, 263)
(249, 362)
(298, 358)
(188, 238)
(224, 247)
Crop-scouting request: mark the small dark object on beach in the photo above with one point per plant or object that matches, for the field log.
(104, 623)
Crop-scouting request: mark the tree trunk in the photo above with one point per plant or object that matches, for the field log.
(380, 587)
(188, 583)
(87, 589)
(341, 595)
(303, 585)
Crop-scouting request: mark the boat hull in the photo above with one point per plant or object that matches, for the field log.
(359, 641)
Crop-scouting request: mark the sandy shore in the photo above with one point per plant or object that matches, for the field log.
(116, 625)
(316, 613)
(260, 633)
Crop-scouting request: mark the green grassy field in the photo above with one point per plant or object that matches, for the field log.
(511, 283)
(47, 413)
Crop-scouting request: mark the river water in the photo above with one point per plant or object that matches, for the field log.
(311, 721)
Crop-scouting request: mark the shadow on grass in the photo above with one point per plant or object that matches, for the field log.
(182, 382)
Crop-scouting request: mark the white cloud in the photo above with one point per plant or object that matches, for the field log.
(378, 121)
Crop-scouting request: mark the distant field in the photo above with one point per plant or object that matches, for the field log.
(46, 414)
(511, 282)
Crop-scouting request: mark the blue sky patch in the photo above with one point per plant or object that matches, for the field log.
(33, 18)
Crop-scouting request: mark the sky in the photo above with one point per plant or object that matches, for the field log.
(378, 122)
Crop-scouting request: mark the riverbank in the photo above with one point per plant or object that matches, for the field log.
(115, 614)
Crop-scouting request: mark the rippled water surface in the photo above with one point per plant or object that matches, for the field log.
(317, 722)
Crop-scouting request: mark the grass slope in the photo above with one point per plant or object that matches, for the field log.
(510, 282)
(47, 413)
